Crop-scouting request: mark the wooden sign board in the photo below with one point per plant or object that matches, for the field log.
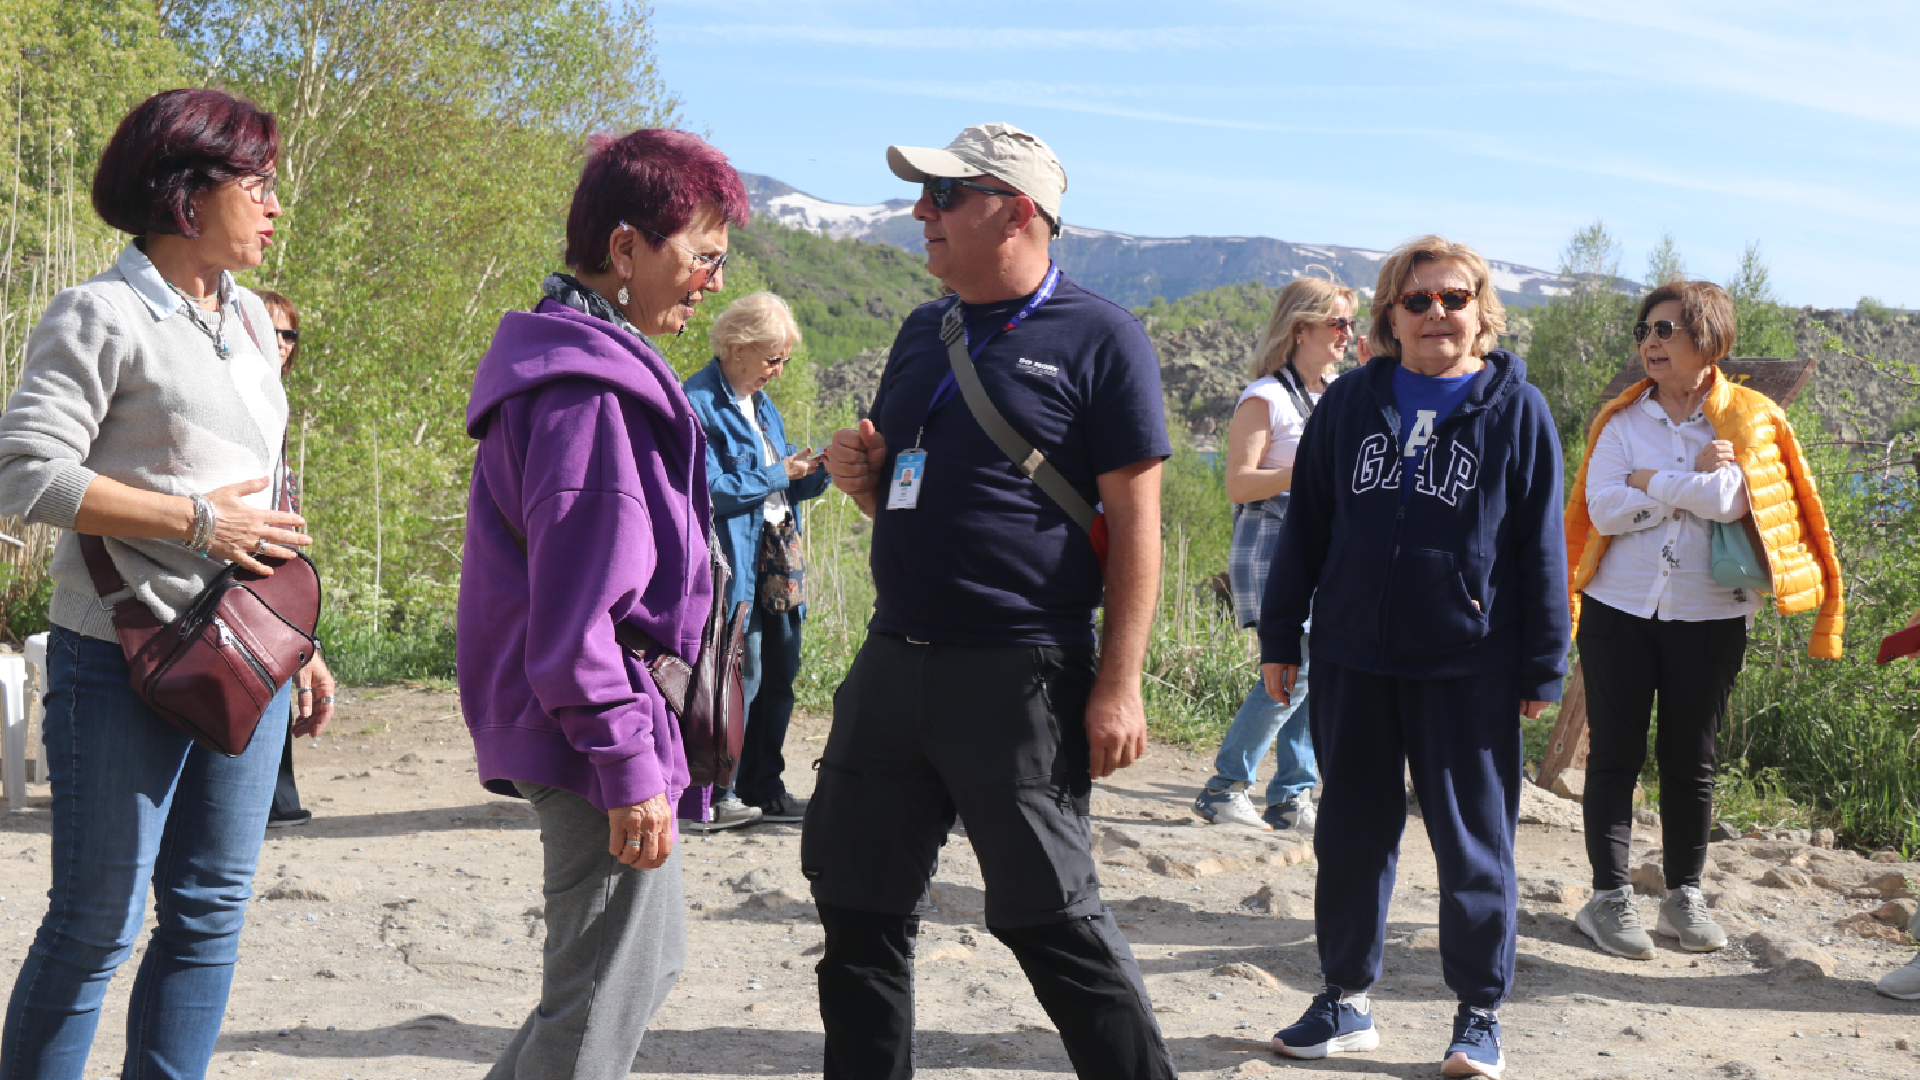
(1781, 380)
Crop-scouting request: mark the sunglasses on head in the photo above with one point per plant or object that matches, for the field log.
(291, 337)
(1663, 330)
(941, 190)
(1418, 301)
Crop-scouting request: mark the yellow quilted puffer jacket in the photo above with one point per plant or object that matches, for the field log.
(1785, 506)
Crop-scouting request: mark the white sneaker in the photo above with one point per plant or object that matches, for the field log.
(1902, 982)
(1229, 807)
(1297, 813)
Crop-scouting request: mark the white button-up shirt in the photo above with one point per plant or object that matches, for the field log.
(1659, 564)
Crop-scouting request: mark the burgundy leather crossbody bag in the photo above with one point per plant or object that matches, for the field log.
(212, 671)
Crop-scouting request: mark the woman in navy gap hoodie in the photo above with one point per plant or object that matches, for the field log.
(1425, 531)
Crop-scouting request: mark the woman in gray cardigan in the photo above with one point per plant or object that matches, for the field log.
(150, 412)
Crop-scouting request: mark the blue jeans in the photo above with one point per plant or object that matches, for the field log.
(1263, 722)
(135, 801)
(772, 664)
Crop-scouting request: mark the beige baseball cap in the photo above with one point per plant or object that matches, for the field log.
(998, 150)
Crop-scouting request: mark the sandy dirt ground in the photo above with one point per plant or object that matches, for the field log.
(399, 936)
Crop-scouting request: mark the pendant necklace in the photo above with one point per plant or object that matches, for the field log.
(217, 336)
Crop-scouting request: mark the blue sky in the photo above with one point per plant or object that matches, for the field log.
(1504, 124)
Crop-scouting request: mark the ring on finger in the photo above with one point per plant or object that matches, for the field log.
(304, 690)
(260, 546)
(631, 842)
(328, 700)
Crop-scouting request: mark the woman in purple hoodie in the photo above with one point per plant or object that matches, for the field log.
(588, 511)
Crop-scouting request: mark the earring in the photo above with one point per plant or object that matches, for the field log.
(623, 296)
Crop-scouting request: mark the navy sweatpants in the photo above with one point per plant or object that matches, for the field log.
(1461, 739)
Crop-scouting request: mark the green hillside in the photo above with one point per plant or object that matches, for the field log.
(1243, 307)
(848, 295)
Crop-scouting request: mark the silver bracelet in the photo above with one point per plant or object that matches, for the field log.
(204, 520)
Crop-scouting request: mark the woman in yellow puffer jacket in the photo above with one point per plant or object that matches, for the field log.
(1680, 452)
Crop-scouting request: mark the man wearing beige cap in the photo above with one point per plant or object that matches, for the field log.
(1006, 415)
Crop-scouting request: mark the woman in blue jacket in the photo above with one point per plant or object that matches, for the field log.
(758, 480)
(1425, 529)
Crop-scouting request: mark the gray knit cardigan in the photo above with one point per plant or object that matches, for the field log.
(119, 383)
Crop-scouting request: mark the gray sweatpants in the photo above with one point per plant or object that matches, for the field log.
(616, 944)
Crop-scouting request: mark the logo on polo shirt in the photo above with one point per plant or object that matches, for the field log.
(1035, 367)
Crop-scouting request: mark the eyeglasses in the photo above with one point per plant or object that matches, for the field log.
(264, 187)
(1343, 324)
(714, 265)
(776, 361)
(940, 190)
(1663, 329)
(291, 337)
(1418, 301)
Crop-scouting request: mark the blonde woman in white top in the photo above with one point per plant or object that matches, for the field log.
(1311, 326)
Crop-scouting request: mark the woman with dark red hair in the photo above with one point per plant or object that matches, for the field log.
(150, 413)
(587, 531)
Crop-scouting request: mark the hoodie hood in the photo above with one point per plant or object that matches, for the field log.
(553, 342)
(1502, 377)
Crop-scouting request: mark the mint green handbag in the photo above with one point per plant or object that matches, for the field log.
(1735, 565)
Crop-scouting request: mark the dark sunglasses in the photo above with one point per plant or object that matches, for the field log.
(941, 190)
(291, 337)
(1663, 329)
(1418, 302)
(1341, 322)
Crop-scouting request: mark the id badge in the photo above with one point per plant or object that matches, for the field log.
(909, 469)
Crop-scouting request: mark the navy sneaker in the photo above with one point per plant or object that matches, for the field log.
(1475, 1050)
(1329, 1026)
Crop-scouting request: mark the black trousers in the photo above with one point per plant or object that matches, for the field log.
(762, 758)
(995, 736)
(1628, 662)
(286, 794)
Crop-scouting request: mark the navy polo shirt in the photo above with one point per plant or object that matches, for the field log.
(986, 558)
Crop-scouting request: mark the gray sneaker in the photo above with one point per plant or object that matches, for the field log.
(1612, 922)
(1683, 915)
(1297, 813)
(1228, 807)
(1902, 982)
(727, 814)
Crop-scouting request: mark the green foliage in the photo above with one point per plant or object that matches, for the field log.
(1580, 339)
(1872, 309)
(1766, 328)
(1664, 263)
(360, 655)
(847, 295)
(1244, 308)
(1842, 738)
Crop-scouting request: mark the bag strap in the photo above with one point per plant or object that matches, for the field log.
(1031, 462)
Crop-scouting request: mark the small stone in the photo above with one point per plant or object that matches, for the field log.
(1649, 818)
(1251, 1068)
(1884, 855)
(1824, 838)
(780, 901)
(1789, 957)
(1251, 972)
(1892, 886)
(1723, 831)
(958, 902)
(1269, 901)
(1902, 1044)
(1898, 913)
(1552, 890)
(1862, 924)
(1571, 784)
(1427, 937)
(1786, 877)
(1649, 879)
(1635, 1031)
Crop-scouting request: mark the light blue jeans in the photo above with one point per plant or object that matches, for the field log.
(1263, 722)
(135, 802)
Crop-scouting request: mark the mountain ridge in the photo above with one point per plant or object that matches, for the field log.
(1132, 270)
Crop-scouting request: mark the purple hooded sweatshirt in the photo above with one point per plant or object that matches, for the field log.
(589, 447)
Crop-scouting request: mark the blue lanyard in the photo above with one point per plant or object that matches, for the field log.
(947, 383)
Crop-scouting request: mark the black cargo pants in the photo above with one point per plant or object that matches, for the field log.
(997, 736)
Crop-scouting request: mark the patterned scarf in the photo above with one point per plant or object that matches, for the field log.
(566, 289)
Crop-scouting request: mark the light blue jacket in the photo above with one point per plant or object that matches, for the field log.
(740, 484)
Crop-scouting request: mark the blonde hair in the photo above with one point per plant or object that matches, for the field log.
(1419, 251)
(759, 318)
(1303, 302)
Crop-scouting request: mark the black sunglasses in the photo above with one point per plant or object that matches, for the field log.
(1418, 301)
(940, 190)
(1663, 329)
(291, 337)
(1341, 322)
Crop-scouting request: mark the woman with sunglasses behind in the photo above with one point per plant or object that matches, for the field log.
(758, 480)
(1661, 609)
(587, 527)
(149, 412)
(1308, 333)
(1424, 534)
(287, 811)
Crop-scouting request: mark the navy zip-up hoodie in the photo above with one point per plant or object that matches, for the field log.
(1467, 577)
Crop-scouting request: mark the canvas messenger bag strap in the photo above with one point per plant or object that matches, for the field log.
(1031, 462)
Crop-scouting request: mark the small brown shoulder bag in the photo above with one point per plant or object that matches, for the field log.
(213, 671)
